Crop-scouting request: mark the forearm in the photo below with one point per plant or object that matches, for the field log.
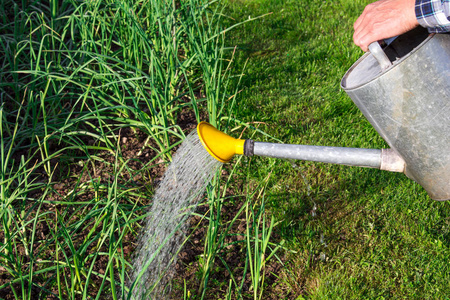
(433, 14)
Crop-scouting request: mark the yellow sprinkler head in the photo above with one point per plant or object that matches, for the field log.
(220, 145)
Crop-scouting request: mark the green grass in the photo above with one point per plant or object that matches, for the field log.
(356, 233)
(93, 96)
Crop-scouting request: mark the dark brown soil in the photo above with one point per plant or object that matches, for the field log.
(136, 149)
(231, 257)
(229, 264)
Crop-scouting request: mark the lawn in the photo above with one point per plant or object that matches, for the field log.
(352, 233)
(97, 96)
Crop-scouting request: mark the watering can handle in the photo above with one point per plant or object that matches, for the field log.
(380, 56)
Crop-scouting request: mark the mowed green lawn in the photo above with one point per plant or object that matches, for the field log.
(353, 233)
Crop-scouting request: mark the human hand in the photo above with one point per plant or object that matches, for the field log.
(384, 19)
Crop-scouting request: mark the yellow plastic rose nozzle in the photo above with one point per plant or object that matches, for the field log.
(220, 145)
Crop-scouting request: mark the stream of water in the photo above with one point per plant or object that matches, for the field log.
(179, 191)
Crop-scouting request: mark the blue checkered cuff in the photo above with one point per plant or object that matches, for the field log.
(434, 15)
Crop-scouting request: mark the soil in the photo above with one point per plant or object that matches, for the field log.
(132, 141)
(135, 148)
(231, 257)
(187, 269)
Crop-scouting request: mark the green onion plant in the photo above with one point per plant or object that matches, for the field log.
(74, 77)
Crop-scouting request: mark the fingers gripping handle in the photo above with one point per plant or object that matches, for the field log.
(380, 56)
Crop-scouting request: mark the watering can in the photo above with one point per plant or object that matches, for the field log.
(404, 92)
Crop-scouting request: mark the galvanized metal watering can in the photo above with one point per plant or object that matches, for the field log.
(404, 92)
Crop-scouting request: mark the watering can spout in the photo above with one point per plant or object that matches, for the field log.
(403, 91)
(223, 147)
(220, 145)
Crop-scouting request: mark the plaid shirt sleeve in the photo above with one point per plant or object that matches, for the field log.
(434, 15)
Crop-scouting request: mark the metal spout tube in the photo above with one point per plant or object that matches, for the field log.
(223, 147)
(369, 158)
